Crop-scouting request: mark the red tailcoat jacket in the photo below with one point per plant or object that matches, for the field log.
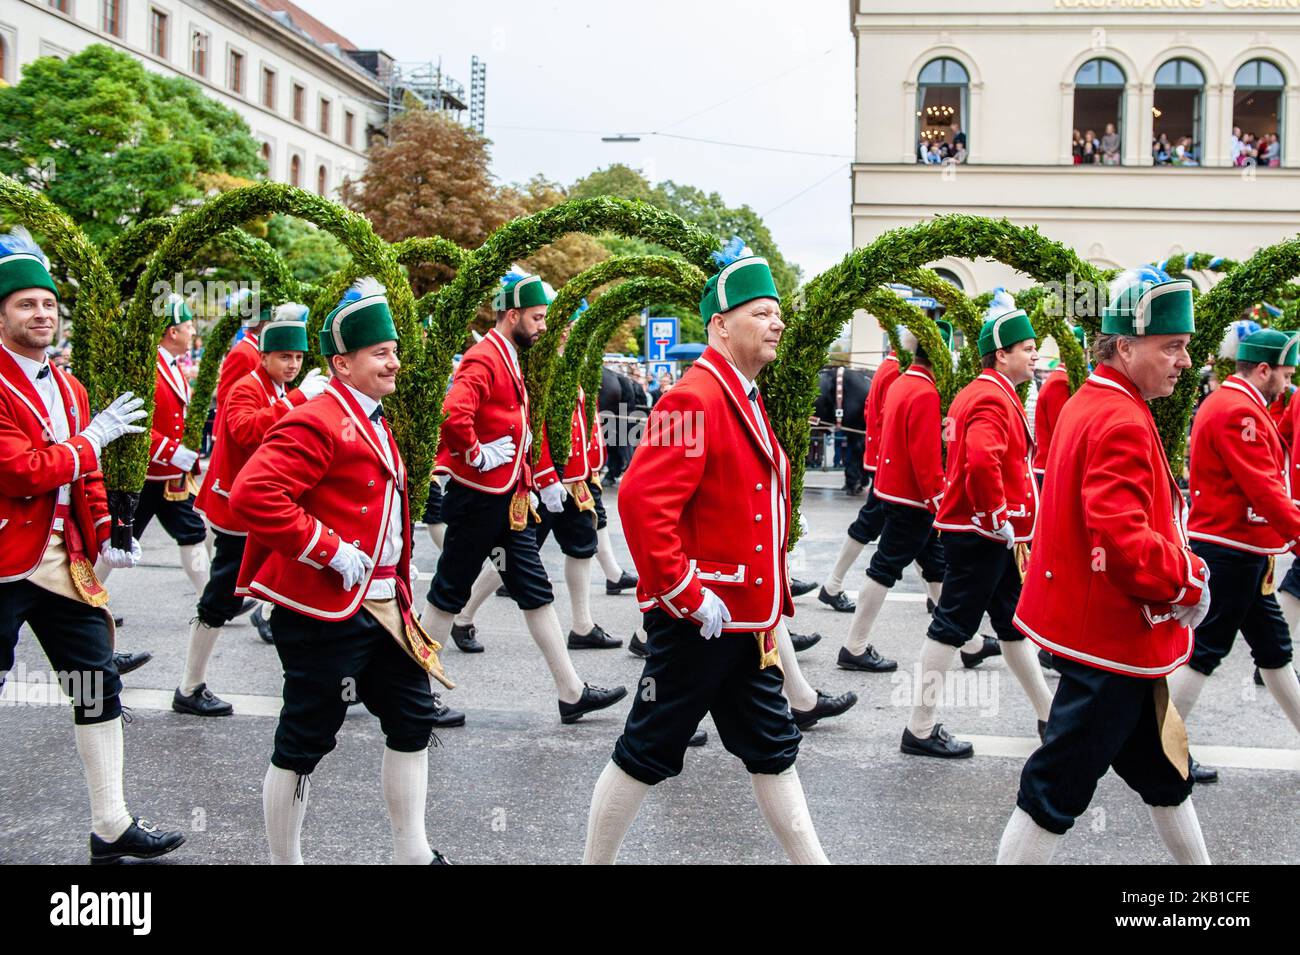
(1051, 399)
(1290, 431)
(319, 477)
(874, 410)
(710, 504)
(990, 479)
(595, 440)
(251, 408)
(1240, 495)
(33, 467)
(1111, 556)
(242, 358)
(171, 396)
(577, 467)
(910, 469)
(487, 401)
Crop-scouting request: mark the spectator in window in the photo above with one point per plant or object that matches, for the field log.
(1248, 154)
(1161, 150)
(958, 141)
(932, 157)
(1234, 146)
(1091, 148)
(1272, 152)
(922, 151)
(1076, 147)
(959, 153)
(1110, 146)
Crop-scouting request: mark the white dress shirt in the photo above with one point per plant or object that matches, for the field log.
(58, 418)
(751, 390)
(391, 551)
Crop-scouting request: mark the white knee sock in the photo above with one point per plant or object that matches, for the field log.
(202, 639)
(849, 552)
(798, 692)
(437, 534)
(1021, 658)
(100, 747)
(1285, 687)
(544, 627)
(210, 546)
(436, 623)
(1025, 842)
(1180, 831)
(609, 564)
(614, 804)
(1185, 686)
(284, 806)
(194, 561)
(781, 800)
(870, 599)
(485, 585)
(933, 589)
(935, 662)
(406, 784)
(577, 577)
(1290, 609)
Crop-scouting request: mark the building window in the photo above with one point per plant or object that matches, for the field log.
(158, 32)
(295, 171)
(266, 156)
(268, 88)
(63, 6)
(299, 102)
(1257, 115)
(349, 128)
(321, 176)
(324, 116)
(236, 70)
(4, 60)
(1177, 114)
(199, 43)
(112, 18)
(1098, 113)
(941, 107)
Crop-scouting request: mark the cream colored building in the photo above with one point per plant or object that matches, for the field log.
(1020, 76)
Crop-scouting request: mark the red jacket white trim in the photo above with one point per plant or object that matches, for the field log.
(577, 468)
(171, 397)
(1047, 409)
(910, 469)
(873, 411)
(243, 357)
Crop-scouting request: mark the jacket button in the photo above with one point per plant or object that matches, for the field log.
(1048, 574)
(758, 582)
(331, 533)
(324, 552)
(370, 484)
(683, 610)
(364, 509)
(886, 460)
(758, 487)
(758, 517)
(356, 543)
(758, 548)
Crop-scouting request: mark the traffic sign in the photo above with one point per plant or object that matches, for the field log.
(661, 335)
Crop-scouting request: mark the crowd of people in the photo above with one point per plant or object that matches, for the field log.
(1249, 149)
(1088, 149)
(933, 151)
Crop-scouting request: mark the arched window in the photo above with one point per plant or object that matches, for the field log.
(1098, 113)
(951, 278)
(942, 105)
(266, 156)
(1257, 115)
(4, 62)
(1178, 114)
(320, 180)
(295, 171)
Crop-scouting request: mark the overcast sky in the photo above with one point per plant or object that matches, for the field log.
(561, 74)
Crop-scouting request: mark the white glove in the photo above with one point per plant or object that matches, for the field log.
(184, 458)
(712, 614)
(553, 497)
(1008, 534)
(351, 564)
(1192, 616)
(314, 383)
(120, 559)
(495, 453)
(116, 420)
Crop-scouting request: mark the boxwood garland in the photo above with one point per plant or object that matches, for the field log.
(958, 309)
(891, 311)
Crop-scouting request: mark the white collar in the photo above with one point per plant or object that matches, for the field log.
(510, 347)
(368, 404)
(167, 357)
(31, 368)
(746, 386)
(1259, 395)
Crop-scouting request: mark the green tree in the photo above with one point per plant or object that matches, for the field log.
(112, 143)
(311, 253)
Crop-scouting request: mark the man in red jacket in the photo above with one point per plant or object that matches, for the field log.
(324, 500)
(990, 505)
(1242, 516)
(1288, 591)
(55, 523)
(909, 483)
(1047, 409)
(1112, 588)
(708, 538)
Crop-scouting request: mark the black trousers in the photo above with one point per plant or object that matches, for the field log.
(218, 604)
(574, 530)
(478, 528)
(982, 577)
(855, 475)
(866, 527)
(433, 506)
(76, 641)
(1236, 604)
(329, 663)
(908, 535)
(178, 518)
(687, 676)
(1099, 721)
(602, 519)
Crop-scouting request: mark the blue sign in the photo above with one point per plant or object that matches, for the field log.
(658, 368)
(660, 335)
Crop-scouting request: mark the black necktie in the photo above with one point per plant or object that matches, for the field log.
(753, 393)
(44, 372)
(378, 414)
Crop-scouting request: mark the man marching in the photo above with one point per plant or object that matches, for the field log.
(708, 538)
(1047, 410)
(56, 522)
(253, 404)
(324, 501)
(1112, 589)
(989, 506)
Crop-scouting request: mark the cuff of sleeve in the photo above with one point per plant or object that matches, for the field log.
(545, 478)
(687, 601)
(1195, 584)
(321, 548)
(474, 456)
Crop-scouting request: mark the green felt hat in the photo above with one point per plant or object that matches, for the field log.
(741, 281)
(1005, 330)
(1080, 336)
(23, 264)
(522, 291)
(945, 331)
(1272, 346)
(287, 330)
(177, 312)
(361, 319)
(1148, 302)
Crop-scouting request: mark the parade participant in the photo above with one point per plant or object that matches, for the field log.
(1288, 591)
(324, 501)
(1242, 516)
(990, 504)
(1051, 399)
(252, 405)
(708, 538)
(56, 519)
(909, 483)
(1112, 590)
(484, 447)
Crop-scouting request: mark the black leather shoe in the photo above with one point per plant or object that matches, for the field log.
(201, 702)
(466, 638)
(1046, 660)
(118, 621)
(868, 660)
(142, 840)
(991, 648)
(929, 606)
(637, 647)
(940, 743)
(841, 601)
(444, 715)
(593, 698)
(1203, 774)
(598, 639)
(826, 707)
(626, 582)
(802, 641)
(1259, 680)
(248, 604)
(439, 859)
(262, 625)
(126, 662)
(699, 738)
(800, 587)
(503, 591)
(1042, 731)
